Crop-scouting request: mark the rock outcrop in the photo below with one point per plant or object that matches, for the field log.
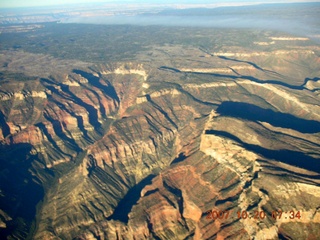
(148, 150)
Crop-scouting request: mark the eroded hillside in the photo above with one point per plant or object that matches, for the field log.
(143, 149)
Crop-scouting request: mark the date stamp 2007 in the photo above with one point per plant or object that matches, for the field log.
(259, 215)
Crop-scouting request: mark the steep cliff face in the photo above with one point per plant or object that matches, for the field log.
(148, 150)
(222, 177)
(134, 148)
(59, 119)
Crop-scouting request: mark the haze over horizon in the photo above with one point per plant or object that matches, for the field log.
(37, 3)
(160, 120)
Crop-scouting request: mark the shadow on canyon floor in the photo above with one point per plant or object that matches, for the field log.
(129, 200)
(20, 194)
(290, 157)
(254, 113)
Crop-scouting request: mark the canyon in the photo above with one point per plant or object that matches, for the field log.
(144, 147)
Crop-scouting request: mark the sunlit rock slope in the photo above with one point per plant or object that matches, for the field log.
(145, 149)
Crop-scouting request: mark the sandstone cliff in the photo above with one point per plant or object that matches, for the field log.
(145, 149)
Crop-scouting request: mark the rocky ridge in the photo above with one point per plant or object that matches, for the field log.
(140, 150)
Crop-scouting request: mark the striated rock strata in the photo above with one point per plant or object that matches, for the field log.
(145, 150)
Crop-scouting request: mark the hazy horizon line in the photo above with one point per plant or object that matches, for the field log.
(179, 4)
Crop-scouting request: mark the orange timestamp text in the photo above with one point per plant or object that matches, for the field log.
(260, 215)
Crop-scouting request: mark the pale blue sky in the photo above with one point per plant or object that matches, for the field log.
(33, 3)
